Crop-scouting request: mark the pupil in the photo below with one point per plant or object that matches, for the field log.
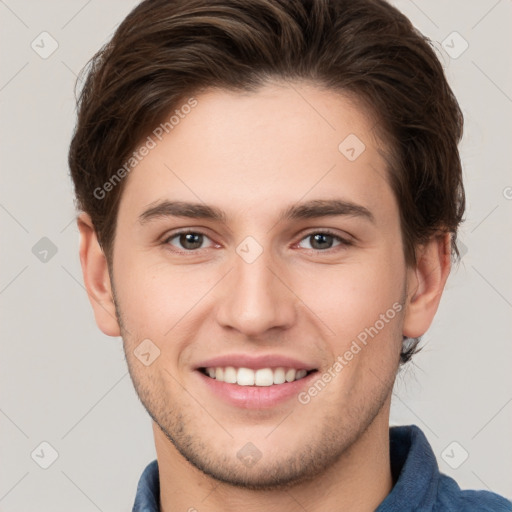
(321, 238)
(191, 240)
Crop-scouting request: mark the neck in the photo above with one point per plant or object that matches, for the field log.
(358, 481)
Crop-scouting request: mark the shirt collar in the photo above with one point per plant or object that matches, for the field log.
(414, 469)
(147, 498)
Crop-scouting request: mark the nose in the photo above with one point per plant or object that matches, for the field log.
(255, 298)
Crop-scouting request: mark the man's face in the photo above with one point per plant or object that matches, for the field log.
(260, 290)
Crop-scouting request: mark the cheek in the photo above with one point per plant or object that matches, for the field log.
(351, 297)
(154, 297)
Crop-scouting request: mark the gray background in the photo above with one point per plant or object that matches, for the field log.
(63, 382)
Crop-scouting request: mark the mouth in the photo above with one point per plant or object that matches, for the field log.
(260, 382)
(261, 377)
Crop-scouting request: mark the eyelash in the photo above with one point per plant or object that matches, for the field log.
(343, 242)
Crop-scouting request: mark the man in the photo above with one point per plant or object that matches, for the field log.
(270, 196)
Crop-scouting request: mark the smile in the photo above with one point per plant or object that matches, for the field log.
(250, 377)
(250, 381)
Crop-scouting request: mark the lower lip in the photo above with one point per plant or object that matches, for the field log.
(256, 397)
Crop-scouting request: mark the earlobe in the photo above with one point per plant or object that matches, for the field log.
(425, 284)
(96, 277)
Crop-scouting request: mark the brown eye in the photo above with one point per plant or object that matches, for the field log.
(191, 240)
(188, 241)
(323, 241)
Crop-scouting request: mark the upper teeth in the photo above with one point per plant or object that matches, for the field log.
(249, 377)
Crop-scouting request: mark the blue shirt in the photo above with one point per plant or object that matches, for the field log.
(419, 484)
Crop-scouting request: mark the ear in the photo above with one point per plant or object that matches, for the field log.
(96, 277)
(425, 284)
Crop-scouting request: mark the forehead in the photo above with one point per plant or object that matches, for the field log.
(244, 151)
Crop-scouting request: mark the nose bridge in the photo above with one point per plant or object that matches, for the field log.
(254, 300)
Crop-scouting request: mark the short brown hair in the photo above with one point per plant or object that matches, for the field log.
(168, 50)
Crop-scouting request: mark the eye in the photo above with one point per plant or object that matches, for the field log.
(323, 240)
(187, 240)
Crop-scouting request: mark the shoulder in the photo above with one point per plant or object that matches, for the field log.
(420, 486)
(451, 497)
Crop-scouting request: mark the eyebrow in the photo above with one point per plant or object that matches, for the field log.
(309, 210)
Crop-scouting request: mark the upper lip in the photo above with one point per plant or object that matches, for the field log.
(255, 362)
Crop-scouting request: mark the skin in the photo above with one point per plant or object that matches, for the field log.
(253, 155)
